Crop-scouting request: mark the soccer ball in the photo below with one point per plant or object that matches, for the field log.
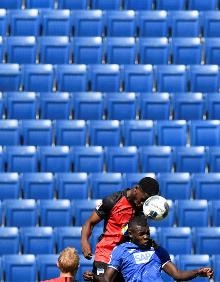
(156, 208)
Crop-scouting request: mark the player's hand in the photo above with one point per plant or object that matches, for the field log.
(86, 249)
(88, 275)
(206, 272)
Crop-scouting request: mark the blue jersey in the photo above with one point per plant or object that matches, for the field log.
(138, 265)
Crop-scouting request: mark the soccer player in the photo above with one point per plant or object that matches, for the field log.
(138, 261)
(116, 210)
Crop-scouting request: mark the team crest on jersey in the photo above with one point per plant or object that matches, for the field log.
(124, 229)
(143, 257)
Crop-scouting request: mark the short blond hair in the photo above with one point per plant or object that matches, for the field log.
(68, 261)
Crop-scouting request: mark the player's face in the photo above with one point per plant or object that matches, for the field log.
(141, 236)
(139, 198)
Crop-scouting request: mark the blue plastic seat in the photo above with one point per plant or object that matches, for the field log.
(37, 78)
(121, 106)
(169, 221)
(55, 213)
(212, 51)
(120, 23)
(73, 5)
(122, 159)
(214, 210)
(104, 132)
(85, 264)
(207, 240)
(19, 268)
(37, 240)
(213, 155)
(84, 159)
(30, 4)
(9, 132)
(215, 265)
(138, 4)
(10, 4)
(132, 179)
(213, 103)
(38, 185)
(2, 105)
(68, 185)
(170, 5)
(104, 184)
(156, 159)
(10, 77)
(9, 240)
(154, 50)
(104, 78)
(211, 23)
(9, 186)
(68, 237)
(2, 159)
(171, 133)
(202, 5)
(175, 186)
(20, 213)
(120, 50)
(106, 4)
(206, 186)
(3, 22)
(190, 159)
(3, 49)
(138, 132)
(47, 266)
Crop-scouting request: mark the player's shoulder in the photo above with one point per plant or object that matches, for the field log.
(114, 198)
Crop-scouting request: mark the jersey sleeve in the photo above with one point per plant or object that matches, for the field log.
(115, 260)
(163, 256)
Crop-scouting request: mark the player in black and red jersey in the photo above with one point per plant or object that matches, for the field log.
(116, 210)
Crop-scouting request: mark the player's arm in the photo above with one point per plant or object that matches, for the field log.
(108, 276)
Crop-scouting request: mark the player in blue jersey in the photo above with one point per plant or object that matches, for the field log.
(140, 260)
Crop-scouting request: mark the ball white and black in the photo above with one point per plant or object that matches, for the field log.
(156, 208)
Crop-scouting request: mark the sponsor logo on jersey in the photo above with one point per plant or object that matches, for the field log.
(143, 257)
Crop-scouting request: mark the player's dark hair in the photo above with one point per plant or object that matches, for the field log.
(149, 185)
(137, 221)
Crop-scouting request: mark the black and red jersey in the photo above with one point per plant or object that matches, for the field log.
(61, 279)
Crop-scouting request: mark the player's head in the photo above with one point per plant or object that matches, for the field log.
(68, 261)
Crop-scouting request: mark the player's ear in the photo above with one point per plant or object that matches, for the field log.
(130, 234)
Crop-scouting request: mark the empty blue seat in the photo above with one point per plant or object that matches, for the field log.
(9, 186)
(37, 240)
(104, 78)
(11, 4)
(73, 5)
(170, 5)
(175, 186)
(138, 4)
(2, 48)
(169, 221)
(211, 23)
(21, 159)
(104, 132)
(2, 105)
(121, 106)
(3, 22)
(121, 23)
(85, 264)
(68, 237)
(138, 132)
(154, 51)
(47, 266)
(213, 155)
(215, 265)
(138, 78)
(68, 185)
(19, 268)
(213, 102)
(156, 159)
(2, 159)
(38, 185)
(39, 4)
(202, 5)
(55, 213)
(84, 159)
(212, 51)
(37, 132)
(132, 179)
(171, 133)
(190, 159)
(120, 50)
(9, 132)
(106, 4)
(37, 78)
(214, 207)
(9, 240)
(104, 184)
(20, 213)
(10, 77)
(155, 106)
(206, 186)
(207, 240)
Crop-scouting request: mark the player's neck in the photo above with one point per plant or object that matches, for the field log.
(68, 274)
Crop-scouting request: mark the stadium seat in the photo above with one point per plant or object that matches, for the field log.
(84, 159)
(215, 265)
(2, 160)
(37, 78)
(68, 185)
(214, 207)
(204, 78)
(185, 23)
(19, 268)
(212, 51)
(9, 240)
(3, 22)
(138, 132)
(88, 106)
(211, 23)
(188, 106)
(152, 23)
(171, 78)
(73, 5)
(207, 240)
(170, 5)
(20, 213)
(202, 5)
(169, 221)
(122, 159)
(30, 4)
(56, 22)
(192, 213)
(38, 185)
(175, 186)
(104, 184)
(120, 23)
(138, 4)
(154, 50)
(24, 22)
(85, 264)
(106, 4)
(37, 132)
(21, 105)
(104, 78)
(10, 77)
(206, 186)
(54, 49)
(9, 186)
(55, 213)
(70, 132)
(21, 159)
(2, 49)
(88, 23)
(138, 78)
(37, 240)
(47, 266)
(55, 105)
(155, 106)
(55, 159)
(104, 132)
(2, 105)
(9, 132)
(132, 179)
(120, 50)
(190, 159)
(87, 50)
(213, 102)
(72, 78)
(10, 4)
(68, 237)
(156, 159)
(213, 155)
(171, 133)
(121, 106)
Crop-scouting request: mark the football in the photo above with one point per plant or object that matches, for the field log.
(156, 208)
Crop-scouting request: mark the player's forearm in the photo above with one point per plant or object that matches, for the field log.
(185, 275)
